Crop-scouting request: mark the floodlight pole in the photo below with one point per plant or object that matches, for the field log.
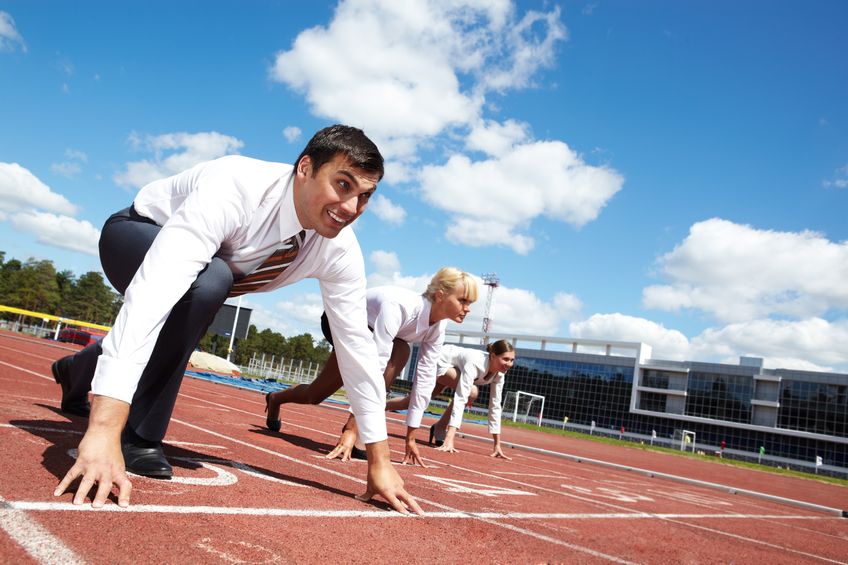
(491, 280)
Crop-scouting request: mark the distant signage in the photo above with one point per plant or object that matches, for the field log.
(223, 322)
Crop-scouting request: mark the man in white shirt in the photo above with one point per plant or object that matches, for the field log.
(188, 242)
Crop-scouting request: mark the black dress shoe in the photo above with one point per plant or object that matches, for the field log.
(273, 425)
(76, 406)
(147, 459)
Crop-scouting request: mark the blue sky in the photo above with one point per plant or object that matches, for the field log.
(668, 172)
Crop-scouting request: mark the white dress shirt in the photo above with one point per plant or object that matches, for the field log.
(241, 210)
(396, 312)
(473, 368)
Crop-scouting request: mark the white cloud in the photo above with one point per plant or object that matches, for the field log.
(291, 133)
(497, 139)
(567, 306)
(387, 210)
(810, 344)
(813, 344)
(482, 233)
(10, 38)
(58, 231)
(384, 261)
(589, 9)
(416, 284)
(840, 178)
(407, 71)
(20, 189)
(665, 343)
(736, 273)
(76, 155)
(174, 153)
(493, 199)
(280, 318)
(519, 311)
(70, 168)
(304, 311)
(67, 169)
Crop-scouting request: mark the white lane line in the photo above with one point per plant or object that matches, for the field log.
(303, 513)
(26, 371)
(34, 538)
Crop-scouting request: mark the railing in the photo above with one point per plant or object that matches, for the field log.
(290, 370)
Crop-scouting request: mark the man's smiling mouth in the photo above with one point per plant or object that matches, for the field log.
(336, 218)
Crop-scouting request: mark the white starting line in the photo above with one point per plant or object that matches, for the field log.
(38, 506)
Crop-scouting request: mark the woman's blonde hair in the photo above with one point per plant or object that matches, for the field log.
(447, 279)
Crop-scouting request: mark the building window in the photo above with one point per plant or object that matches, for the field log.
(653, 401)
(720, 397)
(813, 407)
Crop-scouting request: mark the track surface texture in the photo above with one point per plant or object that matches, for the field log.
(243, 494)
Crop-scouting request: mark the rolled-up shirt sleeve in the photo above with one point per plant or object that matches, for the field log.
(343, 292)
(495, 392)
(469, 372)
(183, 247)
(425, 378)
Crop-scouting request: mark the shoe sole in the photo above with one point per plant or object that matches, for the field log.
(152, 475)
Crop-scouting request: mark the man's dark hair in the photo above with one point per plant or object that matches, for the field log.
(352, 142)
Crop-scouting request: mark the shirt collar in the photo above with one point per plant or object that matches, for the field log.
(289, 224)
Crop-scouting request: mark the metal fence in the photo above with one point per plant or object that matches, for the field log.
(290, 370)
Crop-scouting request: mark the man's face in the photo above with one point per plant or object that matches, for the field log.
(334, 196)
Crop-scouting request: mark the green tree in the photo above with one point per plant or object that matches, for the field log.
(33, 287)
(91, 300)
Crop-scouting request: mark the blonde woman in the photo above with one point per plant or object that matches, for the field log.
(464, 370)
(397, 317)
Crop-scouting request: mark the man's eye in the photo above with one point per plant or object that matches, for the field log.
(365, 196)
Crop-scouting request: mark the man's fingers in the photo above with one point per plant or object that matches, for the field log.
(410, 502)
(103, 490)
(124, 490)
(420, 461)
(83, 489)
(366, 496)
(70, 477)
(397, 504)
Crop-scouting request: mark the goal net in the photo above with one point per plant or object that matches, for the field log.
(525, 406)
(686, 439)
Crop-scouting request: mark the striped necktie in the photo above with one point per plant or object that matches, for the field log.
(270, 267)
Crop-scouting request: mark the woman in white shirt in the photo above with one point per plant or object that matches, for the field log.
(397, 317)
(464, 370)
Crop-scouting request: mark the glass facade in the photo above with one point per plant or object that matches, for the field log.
(820, 408)
(720, 397)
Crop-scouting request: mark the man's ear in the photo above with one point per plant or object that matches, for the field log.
(304, 166)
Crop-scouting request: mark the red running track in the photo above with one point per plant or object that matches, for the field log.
(241, 494)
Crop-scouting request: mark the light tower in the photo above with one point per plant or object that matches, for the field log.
(491, 280)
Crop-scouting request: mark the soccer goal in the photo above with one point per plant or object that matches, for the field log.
(525, 406)
(686, 439)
